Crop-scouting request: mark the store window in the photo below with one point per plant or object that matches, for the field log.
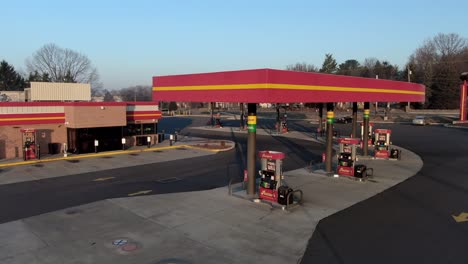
(149, 129)
(139, 129)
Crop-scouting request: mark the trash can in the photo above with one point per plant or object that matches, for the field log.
(283, 192)
(54, 148)
(360, 171)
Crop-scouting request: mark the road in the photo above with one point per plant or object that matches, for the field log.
(411, 222)
(20, 200)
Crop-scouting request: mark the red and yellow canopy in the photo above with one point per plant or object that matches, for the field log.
(279, 86)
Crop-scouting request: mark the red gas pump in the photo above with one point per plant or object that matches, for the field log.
(347, 156)
(370, 139)
(283, 124)
(382, 143)
(30, 150)
(271, 175)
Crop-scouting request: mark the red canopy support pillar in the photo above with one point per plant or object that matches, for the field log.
(463, 94)
(365, 136)
(320, 113)
(329, 149)
(354, 130)
(251, 146)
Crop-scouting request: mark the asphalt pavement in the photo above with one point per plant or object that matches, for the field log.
(421, 220)
(207, 226)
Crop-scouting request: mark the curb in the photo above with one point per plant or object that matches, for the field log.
(113, 153)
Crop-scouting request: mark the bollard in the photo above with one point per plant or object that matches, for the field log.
(96, 144)
(148, 139)
(171, 139)
(123, 143)
(65, 150)
(38, 152)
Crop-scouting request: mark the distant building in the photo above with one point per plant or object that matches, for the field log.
(63, 114)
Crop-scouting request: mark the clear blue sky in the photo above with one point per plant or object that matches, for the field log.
(131, 41)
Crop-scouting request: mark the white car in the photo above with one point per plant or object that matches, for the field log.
(419, 120)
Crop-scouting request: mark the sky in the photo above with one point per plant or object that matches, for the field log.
(131, 41)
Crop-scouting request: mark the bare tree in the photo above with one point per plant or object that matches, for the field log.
(136, 93)
(437, 64)
(63, 65)
(302, 67)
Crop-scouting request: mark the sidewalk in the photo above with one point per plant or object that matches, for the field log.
(195, 227)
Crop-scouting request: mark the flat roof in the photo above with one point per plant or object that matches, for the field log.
(280, 86)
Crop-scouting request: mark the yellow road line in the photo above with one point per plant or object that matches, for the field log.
(285, 87)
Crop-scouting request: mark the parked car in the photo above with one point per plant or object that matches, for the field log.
(419, 120)
(344, 120)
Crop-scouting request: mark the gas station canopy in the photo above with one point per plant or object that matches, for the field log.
(280, 86)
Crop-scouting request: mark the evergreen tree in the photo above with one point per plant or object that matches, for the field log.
(329, 64)
(10, 80)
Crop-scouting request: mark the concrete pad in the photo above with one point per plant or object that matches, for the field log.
(16, 239)
(81, 224)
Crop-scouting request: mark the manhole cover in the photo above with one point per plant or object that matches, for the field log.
(120, 242)
(73, 161)
(173, 261)
(168, 180)
(129, 247)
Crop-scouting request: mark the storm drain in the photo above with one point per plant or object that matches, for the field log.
(169, 180)
(181, 148)
(134, 154)
(38, 165)
(107, 157)
(158, 151)
(73, 161)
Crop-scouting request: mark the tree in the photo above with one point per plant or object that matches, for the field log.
(63, 65)
(437, 63)
(136, 93)
(10, 80)
(108, 96)
(349, 67)
(302, 67)
(329, 64)
(172, 106)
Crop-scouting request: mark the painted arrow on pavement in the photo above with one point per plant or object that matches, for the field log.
(140, 192)
(103, 179)
(463, 217)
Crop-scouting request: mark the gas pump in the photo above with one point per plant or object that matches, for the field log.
(382, 143)
(218, 120)
(347, 156)
(30, 150)
(370, 139)
(271, 175)
(284, 124)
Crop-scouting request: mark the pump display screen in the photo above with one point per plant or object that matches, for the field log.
(347, 149)
(382, 137)
(271, 166)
